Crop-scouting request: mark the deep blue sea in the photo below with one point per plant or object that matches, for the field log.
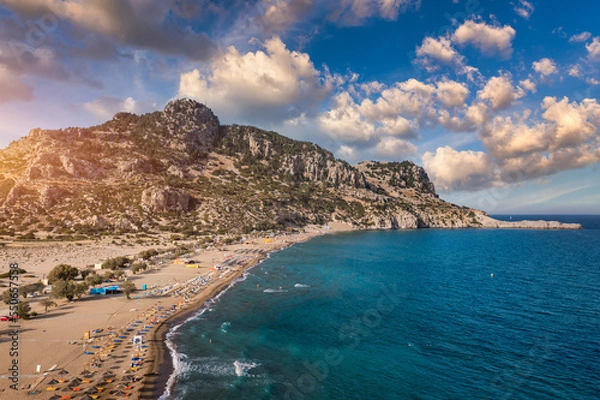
(420, 314)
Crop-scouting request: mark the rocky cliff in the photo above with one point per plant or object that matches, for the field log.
(179, 170)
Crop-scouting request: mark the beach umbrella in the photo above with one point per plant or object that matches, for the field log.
(63, 372)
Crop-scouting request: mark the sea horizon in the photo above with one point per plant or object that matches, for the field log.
(235, 366)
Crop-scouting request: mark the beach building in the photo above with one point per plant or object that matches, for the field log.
(106, 290)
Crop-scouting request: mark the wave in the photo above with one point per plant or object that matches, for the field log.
(225, 326)
(241, 369)
(179, 365)
(274, 291)
(301, 285)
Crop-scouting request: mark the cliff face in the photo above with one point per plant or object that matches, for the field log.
(179, 170)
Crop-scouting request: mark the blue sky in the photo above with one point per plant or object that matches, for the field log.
(496, 99)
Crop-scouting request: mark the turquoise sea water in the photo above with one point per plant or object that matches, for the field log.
(424, 314)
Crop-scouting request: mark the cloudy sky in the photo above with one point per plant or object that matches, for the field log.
(496, 98)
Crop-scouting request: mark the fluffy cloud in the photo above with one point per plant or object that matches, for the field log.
(491, 40)
(395, 148)
(344, 121)
(506, 139)
(544, 67)
(565, 138)
(279, 15)
(581, 37)
(594, 48)
(528, 84)
(500, 93)
(435, 52)
(354, 12)
(438, 49)
(575, 71)
(451, 93)
(273, 84)
(524, 9)
(453, 170)
(107, 107)
(573, 124)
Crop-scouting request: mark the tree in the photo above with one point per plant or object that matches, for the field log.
(93, 279)
(23, 309)
(138, 266)
(47, 303)
(63, 272)
(80, 289)
(31, 288)
(148, 254)
(119, 275)
(115, 263)
(128, 288)
(62, 288)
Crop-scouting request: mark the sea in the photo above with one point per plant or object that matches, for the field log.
(417, 314)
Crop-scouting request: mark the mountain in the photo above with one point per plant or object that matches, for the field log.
(180, 170)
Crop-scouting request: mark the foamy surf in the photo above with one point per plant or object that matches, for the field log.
(241, 369)
(274, 291)
(179, 365)
(300, 285)
(225, 326)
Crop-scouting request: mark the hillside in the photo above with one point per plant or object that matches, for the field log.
(179, 170)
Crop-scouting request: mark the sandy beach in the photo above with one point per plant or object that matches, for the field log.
(55, 357)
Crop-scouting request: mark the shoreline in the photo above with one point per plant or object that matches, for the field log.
(52, 358)
(163, 367)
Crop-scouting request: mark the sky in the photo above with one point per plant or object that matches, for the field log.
(497, 99)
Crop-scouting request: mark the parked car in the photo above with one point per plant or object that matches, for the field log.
(6, 318)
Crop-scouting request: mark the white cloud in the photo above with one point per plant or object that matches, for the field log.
(372, 87)
(507, 139)
(581, 37)
(594, 48)
(355, 12)
(524, 9)
(593, 81)
(573, 123)
(477, 114)
(500, 92)
(544, 67)
(279, 15)
(344, 121)
(453, 170)
(451, 93)
(438, 49)
(391, 147)
(528, 84)
(491, 40)
(346, 152)
(274, 84)
(397, 126)
(525, 147)
(107, 107)
(575, 71)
